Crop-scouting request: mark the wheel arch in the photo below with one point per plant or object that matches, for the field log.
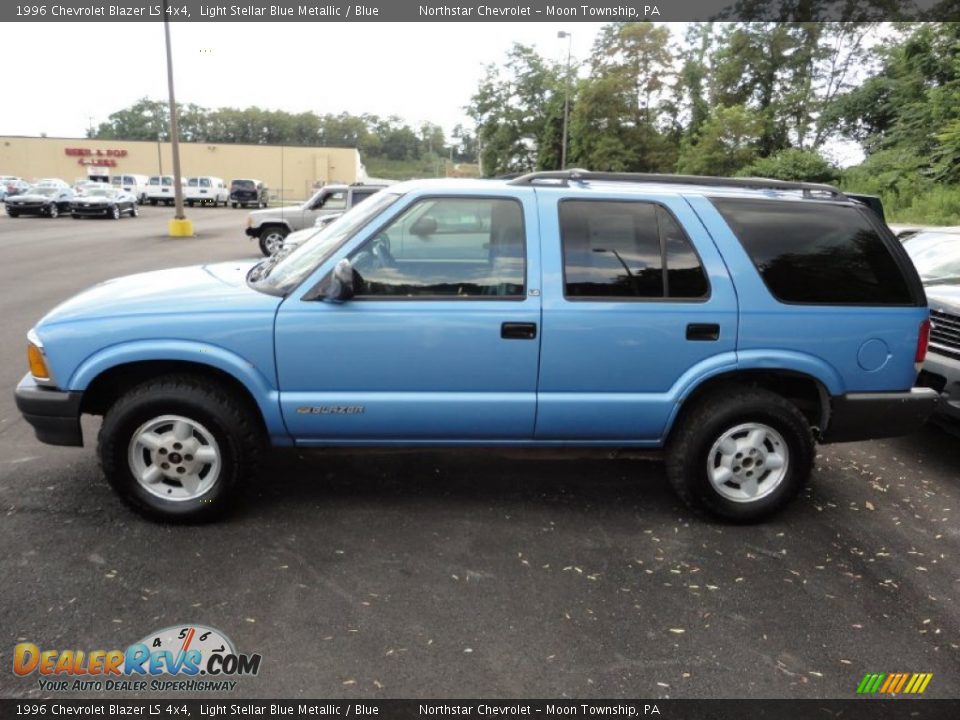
(104, 379)
(807, 392)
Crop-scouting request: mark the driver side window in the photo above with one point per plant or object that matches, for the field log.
(446, 248)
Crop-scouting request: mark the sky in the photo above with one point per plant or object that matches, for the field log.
(422, 72)
(419, 71)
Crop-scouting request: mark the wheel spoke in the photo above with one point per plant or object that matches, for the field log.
(151, 441)
(728, 446)
(181, 430)
(205, 454)
(151, 475)
(190, 483)
(774, 462)
(749, 486)
(721, 475)
(756, 437)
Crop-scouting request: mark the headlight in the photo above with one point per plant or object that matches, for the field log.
(36, 358)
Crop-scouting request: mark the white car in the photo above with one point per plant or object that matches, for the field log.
(160, 188)
(206, 190)
(135, 184)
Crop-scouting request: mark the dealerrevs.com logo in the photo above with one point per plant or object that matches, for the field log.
(177, 658)
(894, 683)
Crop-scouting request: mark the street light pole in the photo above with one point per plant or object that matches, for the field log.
(179, 226)
(566, 100)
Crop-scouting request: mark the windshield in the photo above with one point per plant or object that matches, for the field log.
(936, 256)
(288, 271)
(100, 192)
(45, 191)
(242, 184)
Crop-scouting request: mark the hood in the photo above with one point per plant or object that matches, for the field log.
(276, 213)
(201, 289)
(29, 197)
(944, 297)
(95, 199)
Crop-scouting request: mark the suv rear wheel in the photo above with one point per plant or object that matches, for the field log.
(177, 448)
(271, 239)
(741, 455)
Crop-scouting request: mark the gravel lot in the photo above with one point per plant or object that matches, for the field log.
(467, 575)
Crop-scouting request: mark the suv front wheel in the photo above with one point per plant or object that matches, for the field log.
(741, 455)
(177, 448)
(271, 239)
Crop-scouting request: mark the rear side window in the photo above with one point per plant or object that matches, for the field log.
(627, 249)
(819, 254)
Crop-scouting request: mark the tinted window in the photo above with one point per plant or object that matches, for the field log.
(242, 185)
(816, 253)
(616, 249)
(447, 248)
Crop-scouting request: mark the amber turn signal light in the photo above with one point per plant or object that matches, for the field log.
(38, 363)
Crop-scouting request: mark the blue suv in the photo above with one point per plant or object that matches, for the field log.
(732, 322)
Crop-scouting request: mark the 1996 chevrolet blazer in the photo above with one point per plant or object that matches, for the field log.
(732, 322)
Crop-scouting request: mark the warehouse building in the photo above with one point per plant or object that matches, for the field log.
(291, 173)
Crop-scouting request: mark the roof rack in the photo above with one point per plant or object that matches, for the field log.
(567, 176)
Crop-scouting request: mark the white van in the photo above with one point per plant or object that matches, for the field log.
(160, 189)
(206, 189)
(136, 185)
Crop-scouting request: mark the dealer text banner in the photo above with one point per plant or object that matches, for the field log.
(492, 11)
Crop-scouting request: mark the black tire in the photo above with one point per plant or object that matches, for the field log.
(12, 213)
(134, 210)
(235, 206)
(225, 416)
(190, 203)
(153, 202)
(691, 442)
(268, 236)
(115, 212)
(53, 211)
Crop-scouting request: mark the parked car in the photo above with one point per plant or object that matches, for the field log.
(15, 186)
(160, 189)
(247, 192)
(731, 322)
(936, 254)
(51, 182)
(4, 180)
(107, 202)
(206, 190)
(46, 200)
(133, 184)
(82, 188)
(271, 226)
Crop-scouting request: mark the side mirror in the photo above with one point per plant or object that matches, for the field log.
(341, 283)
(425, 225)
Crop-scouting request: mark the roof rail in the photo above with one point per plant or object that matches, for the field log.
(567, 176)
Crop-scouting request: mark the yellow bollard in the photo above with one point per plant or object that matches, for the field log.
(180, 228)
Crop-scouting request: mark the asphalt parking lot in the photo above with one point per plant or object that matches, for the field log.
(427, 575)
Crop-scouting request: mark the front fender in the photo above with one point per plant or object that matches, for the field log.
(260, 387)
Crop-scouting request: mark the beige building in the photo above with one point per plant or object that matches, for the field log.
(291, 173)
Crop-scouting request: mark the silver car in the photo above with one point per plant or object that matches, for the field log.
(936, 254)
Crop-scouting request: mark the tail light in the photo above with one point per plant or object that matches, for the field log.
(923, 341)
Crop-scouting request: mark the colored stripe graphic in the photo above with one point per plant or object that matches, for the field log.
(894, 683)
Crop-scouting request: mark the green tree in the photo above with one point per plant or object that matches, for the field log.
(793, 164)
(728, 141)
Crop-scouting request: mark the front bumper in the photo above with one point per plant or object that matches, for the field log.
(92, 211)
(942, 373)
(866, 416)
(54, 414)
(31, 209)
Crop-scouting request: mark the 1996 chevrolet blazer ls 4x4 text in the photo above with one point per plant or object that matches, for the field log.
(732, 322)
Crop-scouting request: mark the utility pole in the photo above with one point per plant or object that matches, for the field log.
(179, 226)
(566, 99)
